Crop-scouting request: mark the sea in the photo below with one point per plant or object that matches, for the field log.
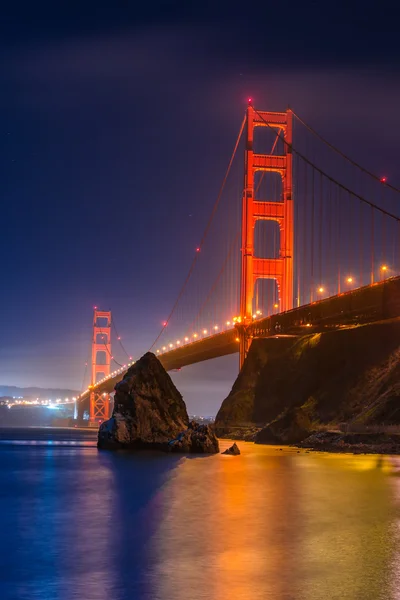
(274, 523)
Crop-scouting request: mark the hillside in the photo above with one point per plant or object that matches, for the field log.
(344, 376)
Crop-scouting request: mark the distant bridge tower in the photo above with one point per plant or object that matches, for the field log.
(101, 342)
(253, 268)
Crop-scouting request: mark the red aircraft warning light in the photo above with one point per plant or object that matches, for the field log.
(383, 179)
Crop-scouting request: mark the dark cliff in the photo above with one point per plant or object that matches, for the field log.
(344, 376)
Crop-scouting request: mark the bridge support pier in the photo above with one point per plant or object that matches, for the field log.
(253, 267)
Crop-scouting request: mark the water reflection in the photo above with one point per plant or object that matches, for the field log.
(79, 524)
(277, 525)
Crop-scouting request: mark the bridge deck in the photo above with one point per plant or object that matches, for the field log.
(362, 305)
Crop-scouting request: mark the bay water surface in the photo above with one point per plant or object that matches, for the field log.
(81, 524)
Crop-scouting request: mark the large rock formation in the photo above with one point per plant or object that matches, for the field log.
(343, 376)
(149, 412)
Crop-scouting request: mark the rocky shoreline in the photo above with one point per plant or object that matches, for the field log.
(355, 443)
(329, 441)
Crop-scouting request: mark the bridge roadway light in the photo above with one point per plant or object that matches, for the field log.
(171, 345)
(276, 305)
(195, 335)
(215, 327)
(205, 331)
(186, 339)
(228, 323)
(164, 348)
(349, 280)
(321, 289)
(178, 342)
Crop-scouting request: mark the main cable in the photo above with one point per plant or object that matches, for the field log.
(330, 178)
(352, 162)
(198, 250)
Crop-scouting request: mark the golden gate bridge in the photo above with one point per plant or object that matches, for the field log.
(306, 240)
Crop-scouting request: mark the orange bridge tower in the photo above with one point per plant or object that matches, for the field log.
(101, 344)
(280, 269)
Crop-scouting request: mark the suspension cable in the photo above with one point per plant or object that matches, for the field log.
(119, 339)
(210, 220)
(352, 162)
(330, 178)
(214, 285)
(103, 334)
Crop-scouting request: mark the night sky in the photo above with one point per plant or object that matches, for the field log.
(117, 122)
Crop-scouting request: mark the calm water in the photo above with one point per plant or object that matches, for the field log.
(87, 525)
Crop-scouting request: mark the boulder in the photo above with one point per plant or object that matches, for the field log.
(199, 439)
(290, 428)
(148, 409)
(233, 450)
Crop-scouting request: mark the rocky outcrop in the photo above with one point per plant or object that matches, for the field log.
(233, 450)
(199, 439)
(148, 409)
(290, 428)
(355, 443)
(149, 412)
(347, 376)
